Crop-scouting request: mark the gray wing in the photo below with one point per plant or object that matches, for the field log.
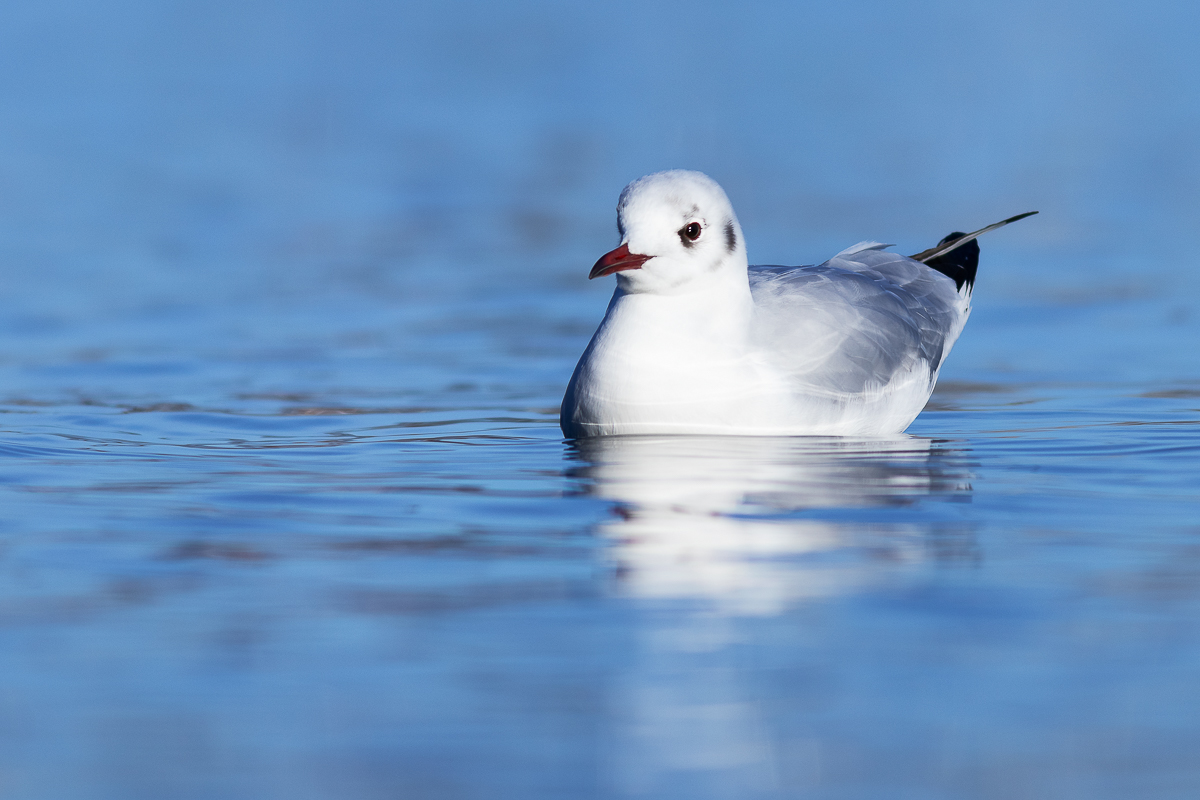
(858, 321)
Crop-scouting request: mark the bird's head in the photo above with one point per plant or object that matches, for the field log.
(678, 233)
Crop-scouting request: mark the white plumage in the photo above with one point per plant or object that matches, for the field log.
(695, 341)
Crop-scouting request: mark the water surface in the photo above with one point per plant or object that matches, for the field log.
(302, 583)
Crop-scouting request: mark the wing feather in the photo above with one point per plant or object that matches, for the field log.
(859, 323)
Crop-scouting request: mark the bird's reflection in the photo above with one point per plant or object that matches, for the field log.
(757, 522)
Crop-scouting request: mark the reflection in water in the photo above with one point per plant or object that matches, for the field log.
(749, 525)
(751, 522)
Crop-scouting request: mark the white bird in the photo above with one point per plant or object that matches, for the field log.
(696, 341)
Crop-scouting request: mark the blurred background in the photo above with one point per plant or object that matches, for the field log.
(289, 293)
(162, 157)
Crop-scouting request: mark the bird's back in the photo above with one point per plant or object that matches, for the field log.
(862, 328)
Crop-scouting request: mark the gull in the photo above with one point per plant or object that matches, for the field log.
(695, 341)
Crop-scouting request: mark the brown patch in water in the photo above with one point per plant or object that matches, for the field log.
(186, 551)
(1172, 394)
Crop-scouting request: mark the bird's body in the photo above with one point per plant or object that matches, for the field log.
(694, 341)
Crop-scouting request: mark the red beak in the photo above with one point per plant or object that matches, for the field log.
(618, 260)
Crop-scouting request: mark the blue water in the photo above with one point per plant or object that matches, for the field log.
(290, 295)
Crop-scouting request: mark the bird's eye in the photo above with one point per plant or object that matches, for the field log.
(692, 231)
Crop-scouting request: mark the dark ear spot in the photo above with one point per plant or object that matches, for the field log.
(730, 236)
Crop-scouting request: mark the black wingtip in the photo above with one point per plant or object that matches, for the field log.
(1018, 216)
(961, 263)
